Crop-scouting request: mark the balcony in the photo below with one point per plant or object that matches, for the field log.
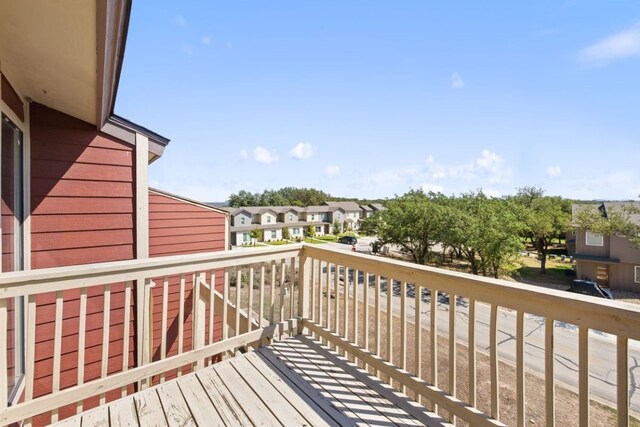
(301, 335)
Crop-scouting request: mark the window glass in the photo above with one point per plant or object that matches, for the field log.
(594, 239)
(274, 234)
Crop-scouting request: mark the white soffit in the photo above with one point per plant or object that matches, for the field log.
(48, 53)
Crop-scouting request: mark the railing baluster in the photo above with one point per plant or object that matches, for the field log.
(312, 293)
(30, 356)
(292, 280)
(82, 328)
(453, 299)
(377, 318)
(520, 380)
(163, 324)
(318, 275)
(327, 307)
(106, 321)
(472, 352)
(354, 306)
(345, 302)
(365, 313)
(390, 322)
(250, 303)
(4, 383)
(622, 358)
(433, 325)
(336, 298)
(493, 354)
(403, 328)
(261, 306)
(212, 309)
(126, 331)
(583, 375)
(236, 322)
(417, 329)
(57, 350)
(283, 277)
(549, 376)
(225, 302)
(181, 319)
(272, 294)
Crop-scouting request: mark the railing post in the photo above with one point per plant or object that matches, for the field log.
(147, 327)
(304, 286)
(198, 320)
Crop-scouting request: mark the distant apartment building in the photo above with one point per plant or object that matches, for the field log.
(272, 220)
(611, 261)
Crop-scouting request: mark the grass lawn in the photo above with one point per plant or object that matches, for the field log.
(327, 238)
(314, 241)
(555, 276)
(278, 242)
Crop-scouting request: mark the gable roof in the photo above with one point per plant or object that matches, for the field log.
(346, 206)
(606, 207)
(377, 206)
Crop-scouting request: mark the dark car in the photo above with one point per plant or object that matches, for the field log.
(587, 287)
(348, 240)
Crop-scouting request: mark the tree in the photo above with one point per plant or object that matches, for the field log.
(312, 231)
(413, 221)
(256, 234)
(337, 228)
(282, 197)
(285, 233)
(614, 220)
(545, 218)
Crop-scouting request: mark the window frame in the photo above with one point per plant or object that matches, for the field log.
(636, 275)
(592, 234)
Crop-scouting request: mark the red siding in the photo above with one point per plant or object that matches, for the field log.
(82, 192)
(82, 211)
(179, 227)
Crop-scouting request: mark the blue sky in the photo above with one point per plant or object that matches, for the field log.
(368, 99)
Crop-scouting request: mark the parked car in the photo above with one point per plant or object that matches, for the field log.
(348, 240)
(587, 287)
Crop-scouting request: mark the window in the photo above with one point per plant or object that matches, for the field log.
(268, 218)
(242, 220)
(637, 275)
(274, 234)
(337, 216)
(594, 239)
(313, 217)
(245, 237)
(12, 191)
(290, 217)
(318, 229)
(295, 231)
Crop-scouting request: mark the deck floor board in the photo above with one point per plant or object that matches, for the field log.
(294, 382)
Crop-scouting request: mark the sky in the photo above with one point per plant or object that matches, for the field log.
(369, 99)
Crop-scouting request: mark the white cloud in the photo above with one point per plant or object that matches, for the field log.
(620, 45)
(456, 81)
(264, 156)
(332, 170)
(489, 166)
(244, 155)
(554, 171)
(188, 49)
(302, 151)
(206, 40)
(426, 187)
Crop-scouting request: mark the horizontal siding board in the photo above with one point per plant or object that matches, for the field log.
(79, 188)
(83, 154)
(190, 238)
(65, 257)
(185, 215)
(183, 231)
(81, 205)
(71, 170)
(82, 239)
(157, 250)
(178, 223)
(81, 222)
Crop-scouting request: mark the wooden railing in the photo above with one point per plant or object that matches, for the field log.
(341, 282)
(98, 332)
(95, 333)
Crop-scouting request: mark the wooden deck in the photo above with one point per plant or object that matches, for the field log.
(294, 382)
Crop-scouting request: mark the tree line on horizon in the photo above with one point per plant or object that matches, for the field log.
(288, 196)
